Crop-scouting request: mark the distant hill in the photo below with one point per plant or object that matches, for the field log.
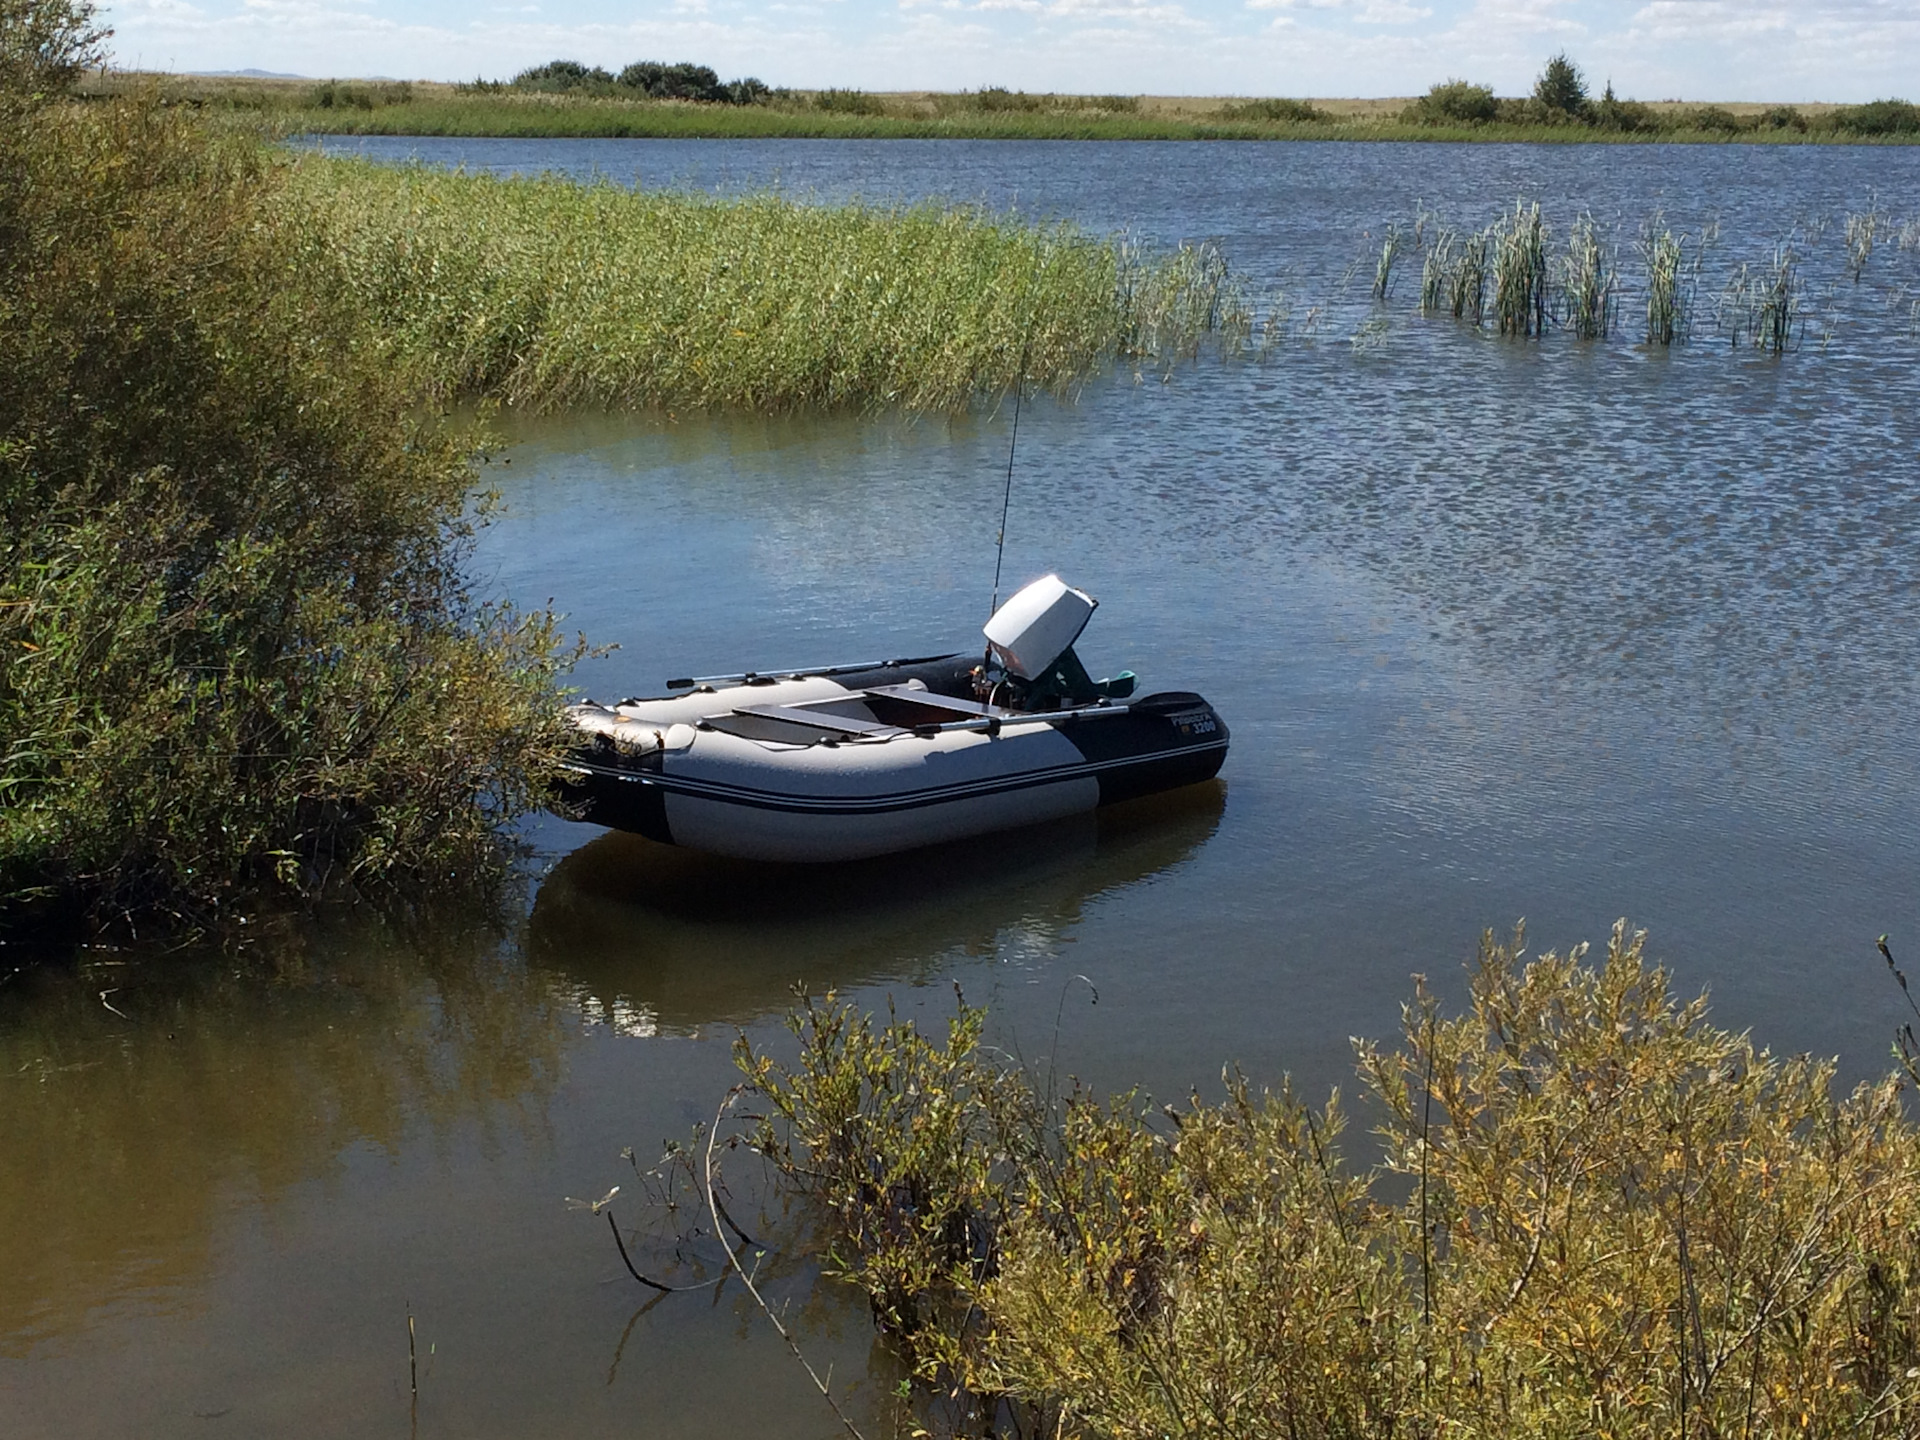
(248, 75)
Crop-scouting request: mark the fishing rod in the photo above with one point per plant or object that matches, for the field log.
(1006, 500)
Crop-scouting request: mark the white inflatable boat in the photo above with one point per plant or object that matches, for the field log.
(845, 761)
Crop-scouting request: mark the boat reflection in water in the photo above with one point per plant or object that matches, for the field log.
(648, 938)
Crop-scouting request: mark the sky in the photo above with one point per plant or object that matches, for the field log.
(1703, 50)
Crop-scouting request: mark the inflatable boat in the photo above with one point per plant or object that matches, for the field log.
(840, 762)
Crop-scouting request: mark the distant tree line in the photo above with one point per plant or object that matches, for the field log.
(1560, 97)
(648, 79)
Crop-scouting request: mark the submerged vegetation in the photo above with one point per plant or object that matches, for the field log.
(1594, 1214)
(238, 658)
(544, 293)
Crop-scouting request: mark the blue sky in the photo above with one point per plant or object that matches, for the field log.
(1846, 50)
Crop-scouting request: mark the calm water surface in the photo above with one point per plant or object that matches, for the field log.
(1556, 631)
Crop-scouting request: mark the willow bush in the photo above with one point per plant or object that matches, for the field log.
(237, 654)
(1596, 1215)
(549, 293)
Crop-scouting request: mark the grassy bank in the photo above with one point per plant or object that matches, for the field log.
(239, 664)
(544, 293)
(429, 109)
(1596, 1215)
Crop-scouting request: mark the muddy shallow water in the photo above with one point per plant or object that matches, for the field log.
(1502, 630)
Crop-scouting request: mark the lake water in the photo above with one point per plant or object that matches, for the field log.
(1502, 629)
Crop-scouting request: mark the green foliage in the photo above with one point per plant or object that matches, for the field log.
(46, 46)
(1627, 116)
(1453, 102)
(543, 293)
(349, 95)
(644, 79)
(1561, 89)
(237, 656)
(848, 102)
(1713, 119)
(1285, 112)
(1782, 117)
(1596, 1215)
(1878, 117)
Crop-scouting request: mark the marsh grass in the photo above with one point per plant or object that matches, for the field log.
(1588, 285)
(1669, 280)
(547, 293)
(1595, 1214)
(1392, 244)
(1861, 231)
(1520, 272)
(1764, 306)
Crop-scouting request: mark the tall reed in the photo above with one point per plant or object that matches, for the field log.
(1861, 231)
(1663, 253)
(546, 293)
(1391, 245)
(1436, 271)
(1520, 272)
(1587, 285)
(1765, 307)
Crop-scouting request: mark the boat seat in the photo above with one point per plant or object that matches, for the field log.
(814, 720)
(938, 702)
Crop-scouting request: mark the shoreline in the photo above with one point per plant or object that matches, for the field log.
(431, 109)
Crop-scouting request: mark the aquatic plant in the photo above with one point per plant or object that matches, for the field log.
(1392, 243)
(1861, 231)
(1587, 283)
(1765, 306)
(1596, 1213)
(1669, 310)
(1520, 272)
(238, 657)
(545, 293)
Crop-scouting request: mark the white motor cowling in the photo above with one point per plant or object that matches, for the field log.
(1038, 625)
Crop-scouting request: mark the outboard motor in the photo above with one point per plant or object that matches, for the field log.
(1031, 637)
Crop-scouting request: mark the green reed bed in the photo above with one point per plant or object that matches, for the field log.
(546, 293)
(1526, 279)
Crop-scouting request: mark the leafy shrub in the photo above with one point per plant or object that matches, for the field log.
(1453, 102)
(997, 99)
(1628, 116)
(1596, 1215)
(848, 102)
(1878, 117)
(345, 95)
(237, 655)
(1713, 119)
(561, 76)
(1286, 112)
(1561, 89)
(47, 45)
(1782, 117)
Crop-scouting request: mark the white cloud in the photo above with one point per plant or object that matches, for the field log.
(1788, 50)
